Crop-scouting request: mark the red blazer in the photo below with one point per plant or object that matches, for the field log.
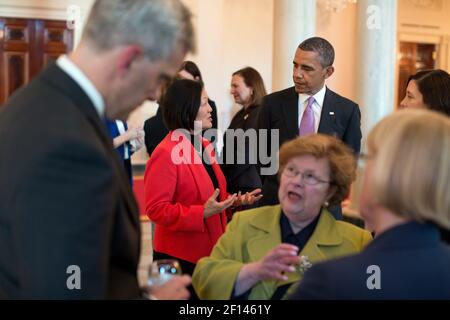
(176, 187)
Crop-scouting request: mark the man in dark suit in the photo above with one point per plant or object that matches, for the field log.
(69, 225)
(308, 107)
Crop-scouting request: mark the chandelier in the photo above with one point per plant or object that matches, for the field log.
(337, 5)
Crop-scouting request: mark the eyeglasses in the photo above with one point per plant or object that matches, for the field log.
(307, 177)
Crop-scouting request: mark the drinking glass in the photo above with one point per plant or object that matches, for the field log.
(162, 270)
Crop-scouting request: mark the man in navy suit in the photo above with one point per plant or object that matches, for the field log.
(309, 107)
(69, 224)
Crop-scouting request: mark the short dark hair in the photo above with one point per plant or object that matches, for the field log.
(191, 68)
(434, 85)
(322, 47)
(181, 104)
(253, 79)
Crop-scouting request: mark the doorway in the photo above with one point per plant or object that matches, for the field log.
(26, 47)
(414, 57)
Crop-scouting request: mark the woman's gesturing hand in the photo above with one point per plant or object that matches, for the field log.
(248, 198)
(212, 206)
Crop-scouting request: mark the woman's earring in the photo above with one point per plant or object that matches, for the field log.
(326, 204)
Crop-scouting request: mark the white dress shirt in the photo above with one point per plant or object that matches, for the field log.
(121, 127)
(86, 85)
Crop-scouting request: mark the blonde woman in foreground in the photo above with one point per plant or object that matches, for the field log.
(405, 197)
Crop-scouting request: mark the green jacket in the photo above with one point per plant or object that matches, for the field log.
(252, 234)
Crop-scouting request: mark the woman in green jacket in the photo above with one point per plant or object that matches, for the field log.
(266, 250)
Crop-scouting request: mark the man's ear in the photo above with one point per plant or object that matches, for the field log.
(126, 56)
(329, 71)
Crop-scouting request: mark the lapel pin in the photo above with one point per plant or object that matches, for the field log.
(331, 113)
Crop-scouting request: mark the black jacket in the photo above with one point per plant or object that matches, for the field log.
(340, 117)
(64, 198)
(241, 175)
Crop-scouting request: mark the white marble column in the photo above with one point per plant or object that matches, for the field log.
(294, 21)
(375, 65)
(376, 38)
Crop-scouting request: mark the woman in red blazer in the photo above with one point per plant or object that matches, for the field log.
(185, 189)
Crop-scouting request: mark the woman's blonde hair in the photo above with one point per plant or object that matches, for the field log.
(411, 165)
(340, 158)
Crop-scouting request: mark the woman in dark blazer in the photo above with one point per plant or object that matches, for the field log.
(185, 190)
(247, 89)
(404, 200)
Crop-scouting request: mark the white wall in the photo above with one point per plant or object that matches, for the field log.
(231, 34)
(426, 17)
(340, 29)
(248, 41)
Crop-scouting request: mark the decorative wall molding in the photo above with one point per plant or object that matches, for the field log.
(435, 5)
(48, 10)
(420, 26)
(442, 42)
(420, 38)
(33, 12)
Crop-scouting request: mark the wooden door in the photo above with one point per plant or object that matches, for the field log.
(27, 46)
